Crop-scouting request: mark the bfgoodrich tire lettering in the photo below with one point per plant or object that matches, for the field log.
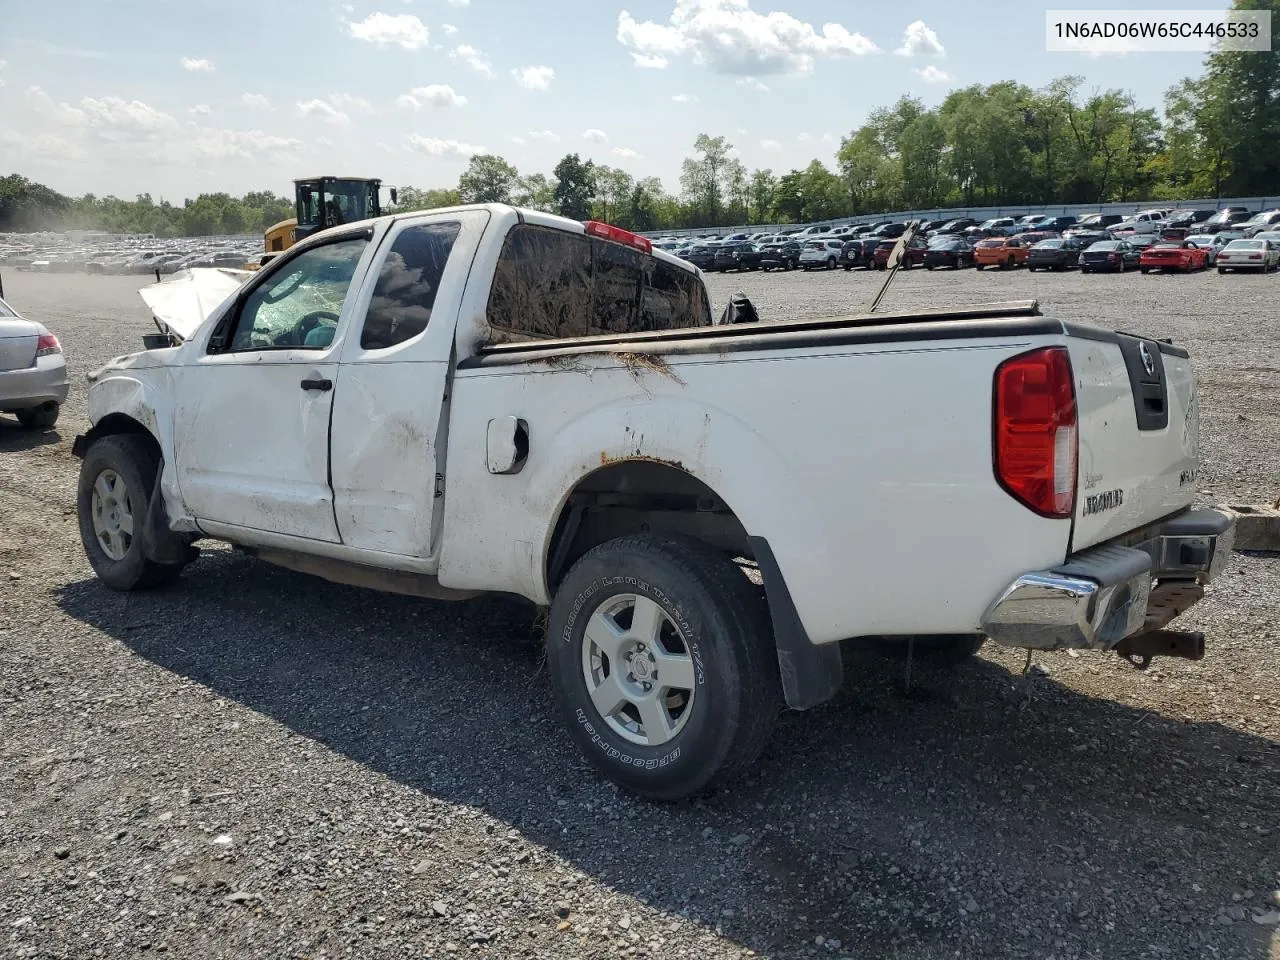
(716, 639)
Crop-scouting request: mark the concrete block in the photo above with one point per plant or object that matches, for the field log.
(1257, 527)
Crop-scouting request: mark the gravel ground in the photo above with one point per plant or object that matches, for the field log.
(259, 764)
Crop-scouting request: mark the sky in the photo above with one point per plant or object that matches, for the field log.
(181, 97)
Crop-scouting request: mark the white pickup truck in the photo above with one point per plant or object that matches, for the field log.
(483, 398)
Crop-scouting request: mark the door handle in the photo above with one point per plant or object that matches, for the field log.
(319, 383)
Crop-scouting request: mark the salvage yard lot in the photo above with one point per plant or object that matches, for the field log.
(260, 764)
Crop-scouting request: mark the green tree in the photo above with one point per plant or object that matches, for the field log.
(702, 178)
(760, 194)
(575, 187)
(488, 179)
(613, 190)
(535, 192)
(412, 198)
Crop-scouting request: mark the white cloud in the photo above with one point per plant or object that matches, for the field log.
(401, 29)
(432, 95)
(626, 152)
(473, 58)
(197, 66)
(919, 41)
(322, 142)
(684, 98)
(771, 144)
(803, 137)
(544, 136)
(244, 144)
(828, 138)
(256, 100)
(449, 29)
(753, 83)
(595, 136)
(534, 78)
(445, 148)
(931, 74)
(345, 101)
(649, 61)
(518, 141)
(727, 36)
(199, 110)
(384, 147)
(323, 110)
(459, 3)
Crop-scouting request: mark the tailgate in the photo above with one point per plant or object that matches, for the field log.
(18, 340)
(1139, 421)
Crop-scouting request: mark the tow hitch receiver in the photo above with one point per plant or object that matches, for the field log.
(1141, 649)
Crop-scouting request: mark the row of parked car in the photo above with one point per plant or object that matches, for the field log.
(1150, 240)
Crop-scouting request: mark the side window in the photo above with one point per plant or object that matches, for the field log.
(542, 284)
(407, 283)
(549, 283)
(297, 307)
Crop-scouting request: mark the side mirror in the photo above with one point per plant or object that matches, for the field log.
(394, 197)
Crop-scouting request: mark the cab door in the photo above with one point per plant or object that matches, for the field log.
(390, 412)
(251, 418)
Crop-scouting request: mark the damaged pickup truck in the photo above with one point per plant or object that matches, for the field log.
(486, 399)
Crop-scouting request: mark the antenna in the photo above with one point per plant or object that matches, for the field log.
(896, 256)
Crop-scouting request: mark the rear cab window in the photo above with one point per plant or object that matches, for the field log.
(552, 284)
(407, 284)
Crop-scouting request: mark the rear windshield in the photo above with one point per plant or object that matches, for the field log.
(1105, 245)
(1048, 244)
(1245, 244)
(815, 245)
(991, 243)
(549, 283)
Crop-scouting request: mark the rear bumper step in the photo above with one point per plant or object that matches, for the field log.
(1121, 590)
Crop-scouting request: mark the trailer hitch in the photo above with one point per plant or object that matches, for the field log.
(1140, 650)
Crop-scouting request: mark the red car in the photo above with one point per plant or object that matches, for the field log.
(913, 256)
(1173, 255)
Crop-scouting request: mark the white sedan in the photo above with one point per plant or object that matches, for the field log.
(33, 371)
(1260, 255)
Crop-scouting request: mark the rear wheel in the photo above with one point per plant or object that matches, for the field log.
(38, 418)
(978, 266)
(831, 263)
(663, 665)
(1145, 269)
(116, 480)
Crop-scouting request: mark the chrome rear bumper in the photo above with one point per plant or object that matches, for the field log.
(1102, 595)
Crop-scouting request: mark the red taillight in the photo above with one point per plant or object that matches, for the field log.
(47, 345)
(1036, 440)
(1255, 256)
(606, 232)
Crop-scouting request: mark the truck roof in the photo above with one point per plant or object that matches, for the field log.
(524, 215)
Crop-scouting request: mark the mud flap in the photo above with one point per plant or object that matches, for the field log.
(811, 673)
(159, 543)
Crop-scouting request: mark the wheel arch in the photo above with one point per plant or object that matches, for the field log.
(737, 511)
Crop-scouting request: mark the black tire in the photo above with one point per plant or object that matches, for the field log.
(831, 263)
(1222, 270)
(1145, 269)
(38, 418)
(1030, 269)
(727, 635)
(135, 460)
(944, 650)
(978, 266)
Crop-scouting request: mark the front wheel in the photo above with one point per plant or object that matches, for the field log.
(38, 418)
(116, 480)
(1222, 270)
(663, 665)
